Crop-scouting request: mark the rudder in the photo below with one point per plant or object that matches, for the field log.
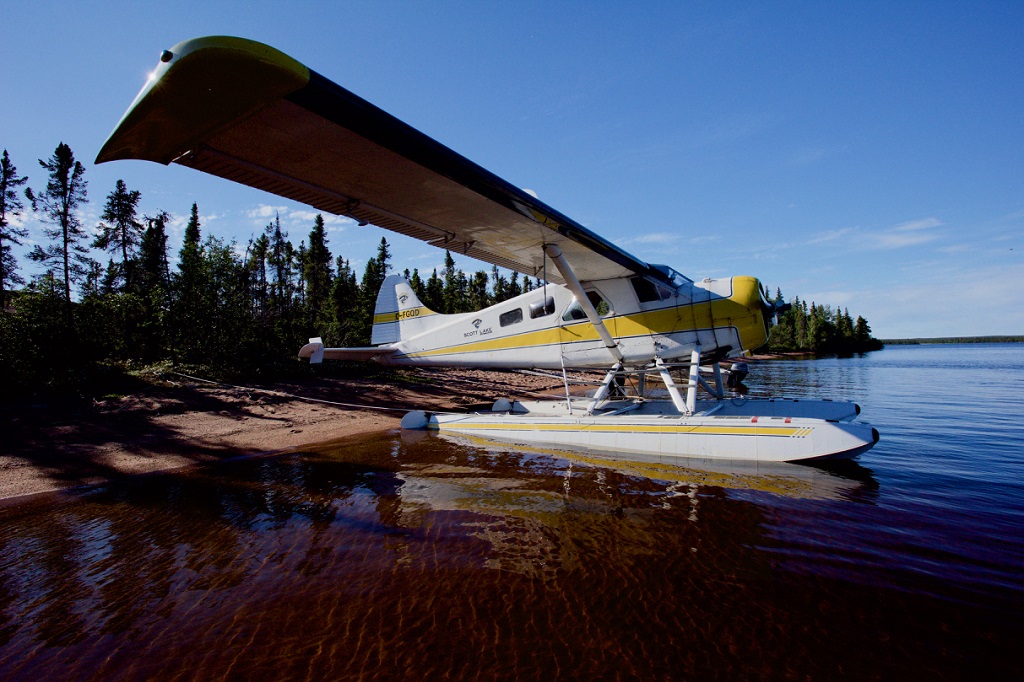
(399, 314)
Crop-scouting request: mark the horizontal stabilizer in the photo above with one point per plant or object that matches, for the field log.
(315, 351)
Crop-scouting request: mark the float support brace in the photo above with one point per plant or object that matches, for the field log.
(576, 288)
(691, 385)
(673, 390)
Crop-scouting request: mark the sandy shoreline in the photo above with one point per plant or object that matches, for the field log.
(182, 423)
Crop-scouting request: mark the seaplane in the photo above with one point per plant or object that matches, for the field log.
(244, 111)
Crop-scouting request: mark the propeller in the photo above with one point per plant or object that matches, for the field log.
(773, 310)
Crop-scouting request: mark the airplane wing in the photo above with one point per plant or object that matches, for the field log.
(246, 112)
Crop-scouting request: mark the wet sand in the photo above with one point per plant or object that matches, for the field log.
(181, 422)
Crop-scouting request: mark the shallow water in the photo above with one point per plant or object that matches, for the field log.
(411, 556)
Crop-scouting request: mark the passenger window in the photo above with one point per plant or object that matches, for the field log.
(511, 317)
(542, 308)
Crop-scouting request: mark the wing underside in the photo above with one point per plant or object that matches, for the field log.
(246, 112)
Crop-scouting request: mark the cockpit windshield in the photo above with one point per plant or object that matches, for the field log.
(674, 277)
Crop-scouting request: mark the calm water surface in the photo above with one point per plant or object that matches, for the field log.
(410, 556)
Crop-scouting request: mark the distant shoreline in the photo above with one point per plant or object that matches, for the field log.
(954, 339)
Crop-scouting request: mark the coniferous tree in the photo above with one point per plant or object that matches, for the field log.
(10, 209)
(449, 276)
(299, 260)
(513, 285)
(155, 285)
(190, 313)
(374, 275)
(800, 335)
(479, 296)
(433, 293)
(499, 287)
(65, 192)
(343, 303)
(319, 276)
(258, 253)
(416, 283)
(279, 261)
(226, 298)
(121, 230)
(154, 271)
(92, 282)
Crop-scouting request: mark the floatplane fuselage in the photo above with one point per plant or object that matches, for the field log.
(549, 328)
(246, 112)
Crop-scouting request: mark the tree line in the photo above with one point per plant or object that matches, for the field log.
(820, 330)
(953, 339)
(221, 309)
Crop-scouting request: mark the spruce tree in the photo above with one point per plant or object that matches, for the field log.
(121, 230)
(190, 314)
(153, 267)
(499, 287)
(479, 296)
(258, 278)
(10, 209)
(452, 296)
(319, 276)
(155, 287)
(65, 192)
(373, 277)
(279, 259)
(344, 299)
(433, 293)
(416, 282)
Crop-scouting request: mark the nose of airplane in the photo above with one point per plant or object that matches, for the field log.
(772, 310)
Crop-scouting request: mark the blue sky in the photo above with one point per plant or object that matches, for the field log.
(865, 155)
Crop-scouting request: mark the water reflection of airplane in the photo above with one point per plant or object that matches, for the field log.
(527, 502)
(840, 480)
(244, 111)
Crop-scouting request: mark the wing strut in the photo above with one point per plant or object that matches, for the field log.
(581, 297)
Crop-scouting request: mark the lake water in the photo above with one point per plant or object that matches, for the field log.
(409, 556)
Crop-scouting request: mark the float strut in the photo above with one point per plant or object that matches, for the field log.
(602, 391)
(673, 390)
(691, 385)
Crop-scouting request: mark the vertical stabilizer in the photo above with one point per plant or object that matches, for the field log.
(399, 314)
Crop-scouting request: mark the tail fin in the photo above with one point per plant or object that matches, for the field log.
(399, 314)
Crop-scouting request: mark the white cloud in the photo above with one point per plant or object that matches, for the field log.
(972, 301)
(832, 235)
(897, 240)
(266, 211)
(912, 233)
(296, 221)
(651, 238)
(922, 224)
(704, 239)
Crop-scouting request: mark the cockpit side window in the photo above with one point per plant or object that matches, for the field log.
(648, 291)
(575, 310)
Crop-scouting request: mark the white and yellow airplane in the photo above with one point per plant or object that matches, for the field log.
(249, 113)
